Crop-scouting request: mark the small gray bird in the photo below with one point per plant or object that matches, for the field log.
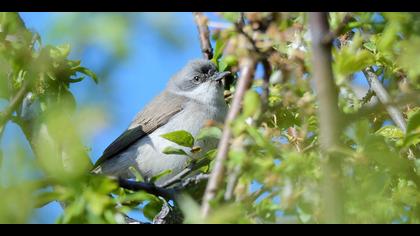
(192, 97)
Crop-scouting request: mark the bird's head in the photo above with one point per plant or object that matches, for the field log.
(199, 80)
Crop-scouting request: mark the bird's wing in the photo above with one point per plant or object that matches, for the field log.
(155, 114)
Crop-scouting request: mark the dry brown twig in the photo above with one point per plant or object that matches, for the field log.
(247, 66)
(204, 35)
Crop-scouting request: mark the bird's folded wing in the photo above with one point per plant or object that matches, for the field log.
(156, 114)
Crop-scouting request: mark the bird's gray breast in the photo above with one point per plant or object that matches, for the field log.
(146, 154)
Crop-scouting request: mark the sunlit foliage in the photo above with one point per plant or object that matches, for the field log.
(274, 163)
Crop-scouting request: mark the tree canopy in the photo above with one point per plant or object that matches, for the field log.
(323, 125)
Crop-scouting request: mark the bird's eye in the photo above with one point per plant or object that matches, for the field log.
(196, 79)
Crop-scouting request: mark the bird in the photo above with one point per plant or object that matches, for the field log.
(192, 97)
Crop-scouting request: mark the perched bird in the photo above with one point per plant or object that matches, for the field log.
(191, 98)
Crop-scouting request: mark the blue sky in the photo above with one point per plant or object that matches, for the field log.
(133, 81)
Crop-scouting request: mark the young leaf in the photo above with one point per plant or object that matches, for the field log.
(252, 103)
(180, 137)
(87, 72)
(136, 173)
(152, 209)
(220, 45)
(160, 175)
(231, 16)
(222, 66)
(413, 123)
(174, 151)
(209, 133)
(413, 129)
(390, 131)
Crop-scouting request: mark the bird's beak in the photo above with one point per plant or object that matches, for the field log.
(219, 75)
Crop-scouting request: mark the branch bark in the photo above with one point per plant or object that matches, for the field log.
(147, 187)
(329, 117)
(247, 74)
(384, 98)
(204, 34)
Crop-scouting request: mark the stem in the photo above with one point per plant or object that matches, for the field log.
(204, 34)
(13, 105)
(384, 98)
(247, 74)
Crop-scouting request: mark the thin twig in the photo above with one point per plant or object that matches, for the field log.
(159, 191)
(329, 117)
(339, 30)
(262, 56)
(295, 140)
(13, 105)
(231, 182)
(412, 98)
(266, 83)
(179, 177)
(247, 74)
(204, 34)
(384, 98)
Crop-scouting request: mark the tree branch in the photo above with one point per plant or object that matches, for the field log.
(329, 117)
(147, 187)
(412, 98)
(204, 34)
(247, 66)
(6, 114)
(384, 98)
(158, 190)
(179, 177)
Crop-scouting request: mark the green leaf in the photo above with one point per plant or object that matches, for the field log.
(174, 151)
(64, 49)
(303, 216)
(77, 80)
(222, 66)
(209, 133)
(371, 46)
(348, 61)
(231, 60)
(87, 72)
(413, 129)
(220, 45)
(152, 208)
(252, 103)
(409, 57)
(60, 52)
(160, 175)
(232, 16)
(46, 197)
(180, 137)
(377, 149)
(136, 173)
(411, 139)
(391, 131)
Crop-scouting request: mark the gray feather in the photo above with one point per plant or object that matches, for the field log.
(155, 114)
